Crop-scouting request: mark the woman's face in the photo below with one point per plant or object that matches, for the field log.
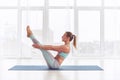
(65, 38)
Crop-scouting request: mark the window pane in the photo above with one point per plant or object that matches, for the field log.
(112, 2)
(89, 26)
(88, 2)
(112, 25)
(8, 2)
(60, 21)
(112, 32)
(35, 20)
(8, 26)
(89, 31)
(32, 2)
(61, 2)
(8, 31)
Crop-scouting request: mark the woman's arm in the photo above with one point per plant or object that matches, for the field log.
(61, 48)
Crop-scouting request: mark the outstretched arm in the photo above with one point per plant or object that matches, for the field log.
(61, 48)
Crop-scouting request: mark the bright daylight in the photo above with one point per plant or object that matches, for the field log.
(59, 39)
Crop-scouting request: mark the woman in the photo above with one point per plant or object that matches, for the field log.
(63, 50)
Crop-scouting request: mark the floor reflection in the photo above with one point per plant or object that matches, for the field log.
(55, 75)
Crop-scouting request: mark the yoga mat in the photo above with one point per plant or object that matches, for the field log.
(62, 68)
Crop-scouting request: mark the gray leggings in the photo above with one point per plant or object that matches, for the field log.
(50, 60)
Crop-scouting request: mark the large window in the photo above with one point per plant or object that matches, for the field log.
(8, 31)
(35, 20)
(95, 22)
(112, 27)
(89, 31)
(112, 31)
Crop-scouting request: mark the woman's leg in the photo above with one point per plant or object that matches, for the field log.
(50, 60)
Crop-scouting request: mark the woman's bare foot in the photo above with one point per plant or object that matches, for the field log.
(29, 32)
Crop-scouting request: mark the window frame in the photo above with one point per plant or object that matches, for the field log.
(76, 9)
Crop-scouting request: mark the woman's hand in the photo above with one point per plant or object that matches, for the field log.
(36, 46)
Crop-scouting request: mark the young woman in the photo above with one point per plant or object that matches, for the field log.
(63, 50)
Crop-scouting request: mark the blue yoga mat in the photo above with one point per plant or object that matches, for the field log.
(65, 68)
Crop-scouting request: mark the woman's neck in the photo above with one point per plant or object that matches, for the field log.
(67, 43)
